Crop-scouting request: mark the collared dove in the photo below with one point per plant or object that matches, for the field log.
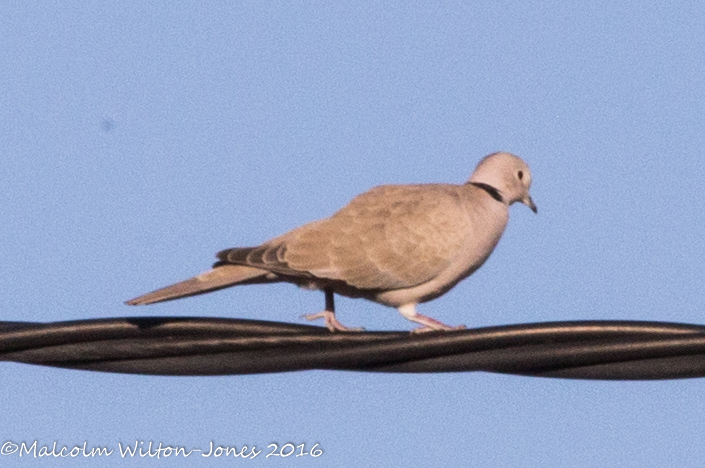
(397, 245)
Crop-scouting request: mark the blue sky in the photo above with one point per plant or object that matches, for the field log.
(139, 138)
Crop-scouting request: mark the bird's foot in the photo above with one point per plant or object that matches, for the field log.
(332, 323)
(427, 328)
(427, 323)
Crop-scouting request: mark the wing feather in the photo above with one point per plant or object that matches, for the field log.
(394, 236)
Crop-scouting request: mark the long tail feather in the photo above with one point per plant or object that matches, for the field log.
(212, 280)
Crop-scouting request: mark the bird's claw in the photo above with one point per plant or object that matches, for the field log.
(332, 323)
(426, 328)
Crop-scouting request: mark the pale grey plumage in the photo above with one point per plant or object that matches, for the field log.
(398, 245)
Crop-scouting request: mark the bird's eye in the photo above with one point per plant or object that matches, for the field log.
(520, 174)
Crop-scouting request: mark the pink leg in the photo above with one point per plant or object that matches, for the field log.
(328, 315)
(427, 323)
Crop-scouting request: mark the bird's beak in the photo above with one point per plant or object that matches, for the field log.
(530, 203)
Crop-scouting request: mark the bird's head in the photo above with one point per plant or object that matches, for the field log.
(508, 174)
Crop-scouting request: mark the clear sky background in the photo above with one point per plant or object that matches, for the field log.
(139, 138)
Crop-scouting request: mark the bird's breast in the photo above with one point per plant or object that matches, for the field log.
(481, 226)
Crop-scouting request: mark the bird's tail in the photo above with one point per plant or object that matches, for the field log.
(218, 278)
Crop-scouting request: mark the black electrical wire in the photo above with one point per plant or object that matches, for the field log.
(606, 350)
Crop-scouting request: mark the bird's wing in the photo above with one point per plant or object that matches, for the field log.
(387, 238)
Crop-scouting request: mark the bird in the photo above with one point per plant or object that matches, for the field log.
(396, 245)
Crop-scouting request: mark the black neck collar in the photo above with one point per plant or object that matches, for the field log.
(494, 193)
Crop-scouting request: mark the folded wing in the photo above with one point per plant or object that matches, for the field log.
(387, 238)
